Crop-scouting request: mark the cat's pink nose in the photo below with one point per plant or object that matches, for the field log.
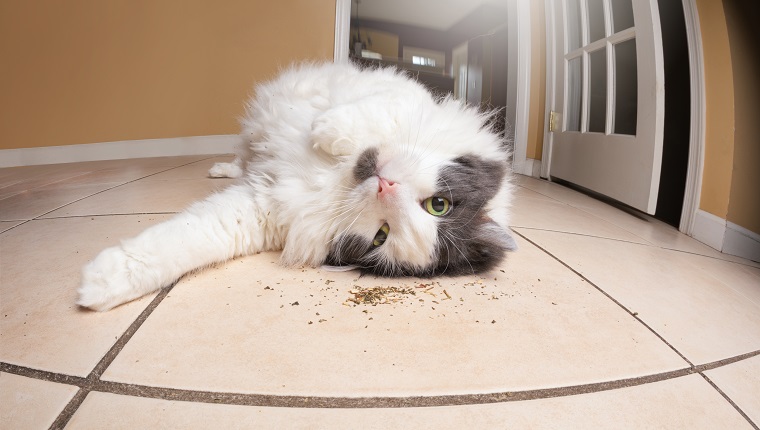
(385, 187)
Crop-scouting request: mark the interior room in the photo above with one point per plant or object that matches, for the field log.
(631, 301)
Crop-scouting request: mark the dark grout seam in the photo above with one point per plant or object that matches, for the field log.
(91, 383)
(648, 244)
(631, 313)
(120, 185)
(107, 215)
(695, 369)
(93, 379)
(731, 402)
(39, 217)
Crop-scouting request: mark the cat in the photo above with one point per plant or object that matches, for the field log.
(343, 167)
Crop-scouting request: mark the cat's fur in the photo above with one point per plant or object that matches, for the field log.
(331, 154)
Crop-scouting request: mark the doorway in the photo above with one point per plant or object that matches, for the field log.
(678, 183)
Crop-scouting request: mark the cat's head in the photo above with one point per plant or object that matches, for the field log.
(429, 198)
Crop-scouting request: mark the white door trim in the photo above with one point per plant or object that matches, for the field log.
(519, 18)
(342, 30)
(697, 132)
(551, 88)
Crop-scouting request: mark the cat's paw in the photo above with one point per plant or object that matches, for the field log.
(108, 281)
(328, 138)
(225, 170)
(337, 148)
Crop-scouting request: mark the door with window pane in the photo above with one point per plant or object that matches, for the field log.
(610, 98)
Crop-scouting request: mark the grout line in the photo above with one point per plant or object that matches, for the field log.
(117, 186)
(107, 215)
(633, 314)
(68, 411)
(698, 369)
(110, 356)
(583, 235)
(93, 379)
(39, 217)
(731, 402)
(94, 383)
(651, 245)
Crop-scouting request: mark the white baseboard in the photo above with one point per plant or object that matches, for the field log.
(741, 242)
(528, 167)
(193, 145)
(725, 236)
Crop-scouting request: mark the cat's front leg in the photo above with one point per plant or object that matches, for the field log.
(223, 226)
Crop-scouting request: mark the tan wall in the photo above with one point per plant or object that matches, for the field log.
(84, 71)
(744, 203)
(719, 94)
(536, 114)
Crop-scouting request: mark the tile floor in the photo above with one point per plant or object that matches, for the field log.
(603, 319)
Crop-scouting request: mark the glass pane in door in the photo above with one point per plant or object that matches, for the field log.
(595, 20)
(574, 94)
(622, 15)
(597, 115)
(626, 87)
(573, 25)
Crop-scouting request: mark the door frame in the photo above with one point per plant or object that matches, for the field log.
(518, 87)
(696, 133)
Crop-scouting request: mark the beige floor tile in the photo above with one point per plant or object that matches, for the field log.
(14, 185)
(546, 214)
(7, 225)
(34, 203)
(144, 197)
(741, 383)
(197, 170)
(27, 403)
(706, 308)
(557, 192)
(16, 179)
(253, 326)
(684, 403)
(646, 227)
(40, 264)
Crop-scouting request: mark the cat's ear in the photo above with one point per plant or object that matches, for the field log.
(498, 235)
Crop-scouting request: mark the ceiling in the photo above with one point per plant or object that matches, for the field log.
(434, 14)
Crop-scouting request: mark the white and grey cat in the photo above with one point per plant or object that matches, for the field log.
(341, 167)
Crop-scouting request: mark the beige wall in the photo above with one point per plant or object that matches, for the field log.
(731, 177)
(84, 71)
(719, 94)
(744, 202)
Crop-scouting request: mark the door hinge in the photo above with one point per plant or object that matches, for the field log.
(554, 121)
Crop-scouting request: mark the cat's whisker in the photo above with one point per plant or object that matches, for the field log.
(463, 254)
(347, 228)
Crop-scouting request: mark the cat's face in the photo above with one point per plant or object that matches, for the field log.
(409, 210)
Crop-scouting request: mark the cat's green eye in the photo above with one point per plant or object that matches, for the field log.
(437, 206)
(381, 235)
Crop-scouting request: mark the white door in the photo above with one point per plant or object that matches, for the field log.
(609, 95)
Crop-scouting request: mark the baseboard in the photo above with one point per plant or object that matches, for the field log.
(193, 145)
(725, 236)
(741, 242)
(528, 167)
(709, 229)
